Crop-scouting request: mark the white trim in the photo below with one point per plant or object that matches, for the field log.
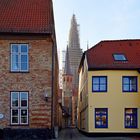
(18, 100)
(19, 108)
(20, 115)
(12, 116)
(19, 57)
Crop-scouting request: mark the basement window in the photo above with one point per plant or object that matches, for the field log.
(119, 57)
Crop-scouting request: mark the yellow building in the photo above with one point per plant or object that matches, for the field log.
(109, 88)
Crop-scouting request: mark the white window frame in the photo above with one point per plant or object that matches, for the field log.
(19, 108)
(12, 116)
(19, 58)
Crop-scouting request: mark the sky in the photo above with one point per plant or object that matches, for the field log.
(98, 20)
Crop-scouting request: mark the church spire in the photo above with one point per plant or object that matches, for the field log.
(67, 63)
(74, 33)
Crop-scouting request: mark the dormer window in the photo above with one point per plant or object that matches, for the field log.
(119, 57)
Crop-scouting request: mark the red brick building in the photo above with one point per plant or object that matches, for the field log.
(28, 65)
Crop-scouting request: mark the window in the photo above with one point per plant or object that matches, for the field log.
(129, 84)
(119, 57)
(19, 108)
(101, 118)
(99, 83)
(130, 117)
(19, 57)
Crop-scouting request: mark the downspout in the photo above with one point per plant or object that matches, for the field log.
(52, 95)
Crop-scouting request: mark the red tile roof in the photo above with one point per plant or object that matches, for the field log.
(26, 16)
(100, 56)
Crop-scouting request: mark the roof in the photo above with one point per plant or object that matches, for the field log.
(100, 56)
(26, 16)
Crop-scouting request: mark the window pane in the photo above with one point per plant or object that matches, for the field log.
(24, 62)
(125, 87)
(24, 48)
(24, 120)
(101, 110)
(119, 57)
(24, 66)
(102, 80)
(14, 119)
(98, 122)
(95, 87)
(104, 123)
(24, 112)
(128, 111)
(24, 58)
(15, 112)
(14, 48)
(95, 80)
(14, 116)
(127, 120)
(134, 121)
(24, 116)
(14, 99)
(126, 80)
(24, 98)
(102, 87)
(134, 110)
(133, 80)
(133, 88)
(14, 62)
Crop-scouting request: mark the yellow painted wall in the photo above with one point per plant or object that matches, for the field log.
(114, 99)
(83, 105)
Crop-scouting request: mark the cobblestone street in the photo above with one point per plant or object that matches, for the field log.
(74, 134)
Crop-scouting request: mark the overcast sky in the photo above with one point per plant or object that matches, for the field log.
(98, 19)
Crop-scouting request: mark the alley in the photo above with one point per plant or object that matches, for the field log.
(74, 134)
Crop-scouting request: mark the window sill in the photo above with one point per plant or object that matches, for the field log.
(19, 124)
(19, 71)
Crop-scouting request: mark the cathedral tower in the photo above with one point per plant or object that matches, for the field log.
(75, 52)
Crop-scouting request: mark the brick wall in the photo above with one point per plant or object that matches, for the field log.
(36, 81)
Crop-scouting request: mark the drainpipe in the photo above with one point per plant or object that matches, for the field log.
(52, 95)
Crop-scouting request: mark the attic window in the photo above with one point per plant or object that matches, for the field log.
(119, 57)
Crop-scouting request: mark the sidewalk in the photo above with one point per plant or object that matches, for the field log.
(74, 134)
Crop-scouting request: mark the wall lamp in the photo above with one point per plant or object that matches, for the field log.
(46, 95)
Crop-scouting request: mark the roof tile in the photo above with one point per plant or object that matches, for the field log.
(101, 55)
(26, 16)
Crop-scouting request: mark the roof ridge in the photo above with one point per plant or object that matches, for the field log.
(112, 40)
(117, 40)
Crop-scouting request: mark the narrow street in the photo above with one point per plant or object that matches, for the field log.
(74, 134)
